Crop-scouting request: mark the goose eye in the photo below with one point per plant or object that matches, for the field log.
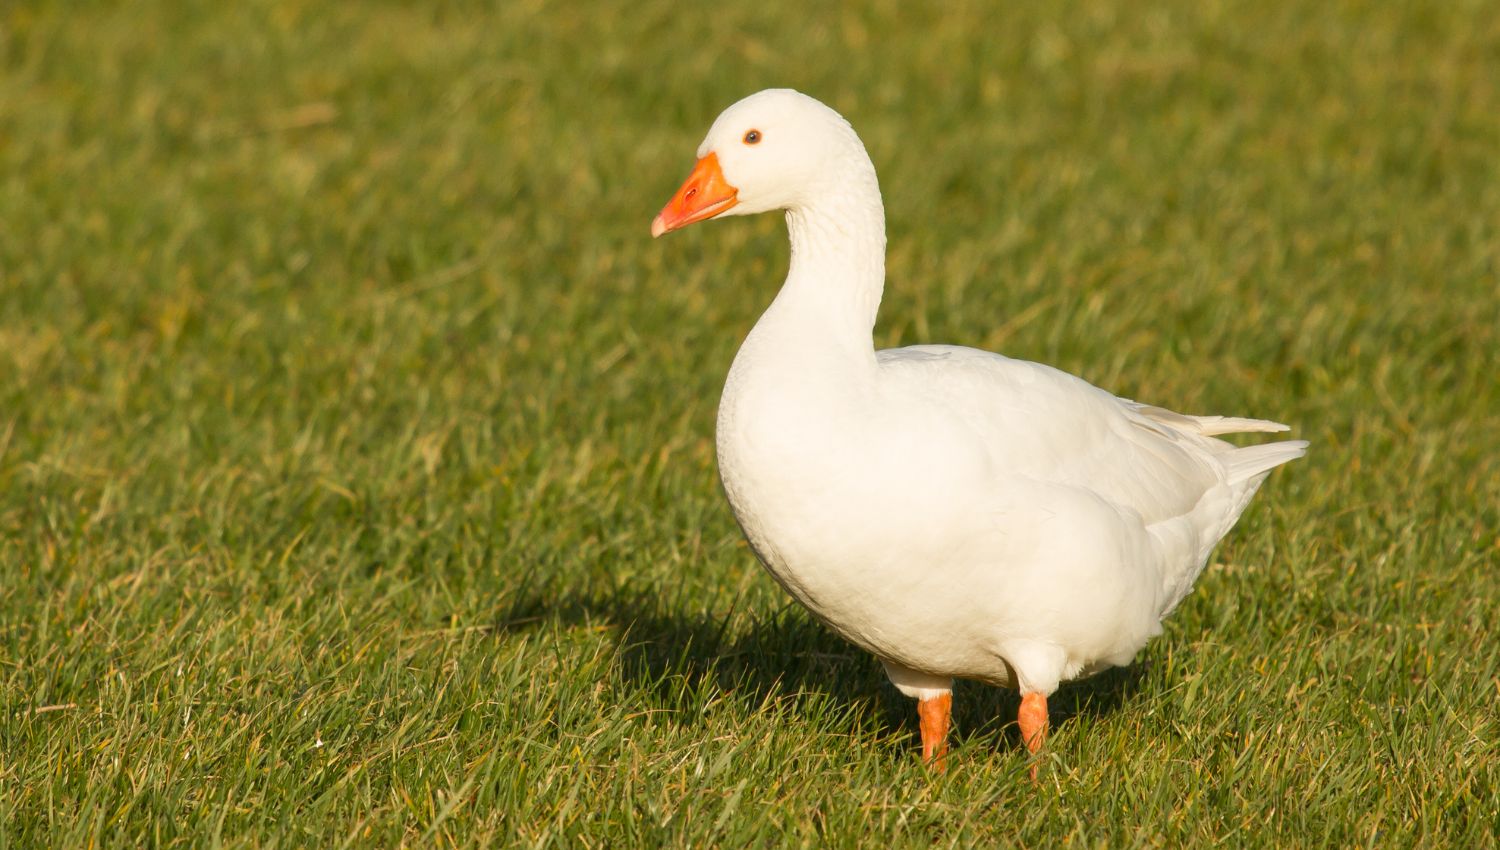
(752, 137)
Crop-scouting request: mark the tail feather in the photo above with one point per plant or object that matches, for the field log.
(1251, 461)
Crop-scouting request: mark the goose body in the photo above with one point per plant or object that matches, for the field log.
(957, 513)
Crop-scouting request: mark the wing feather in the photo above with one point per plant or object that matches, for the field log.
(1043, 422)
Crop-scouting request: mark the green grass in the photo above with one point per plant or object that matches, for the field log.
(357, 480)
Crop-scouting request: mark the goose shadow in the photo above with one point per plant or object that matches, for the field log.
(786, 657)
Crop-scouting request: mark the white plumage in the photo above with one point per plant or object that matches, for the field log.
(955, 512)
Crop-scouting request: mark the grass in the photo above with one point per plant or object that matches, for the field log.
(357, 481)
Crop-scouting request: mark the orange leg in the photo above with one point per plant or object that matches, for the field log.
(1033, 720)
(934, 714)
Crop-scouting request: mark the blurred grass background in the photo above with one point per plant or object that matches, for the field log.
(356, 468)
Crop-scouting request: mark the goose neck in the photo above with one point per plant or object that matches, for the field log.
(837, 269)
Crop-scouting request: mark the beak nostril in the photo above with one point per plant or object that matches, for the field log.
(691, 192)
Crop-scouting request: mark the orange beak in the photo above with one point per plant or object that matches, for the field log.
(703, 195)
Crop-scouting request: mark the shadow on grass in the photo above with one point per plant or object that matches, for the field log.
(671, 655)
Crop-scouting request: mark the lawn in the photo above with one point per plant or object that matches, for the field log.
(357, 482)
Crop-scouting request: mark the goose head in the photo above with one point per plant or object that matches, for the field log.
(775, 150)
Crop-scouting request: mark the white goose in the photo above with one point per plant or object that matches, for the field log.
(955, 512)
